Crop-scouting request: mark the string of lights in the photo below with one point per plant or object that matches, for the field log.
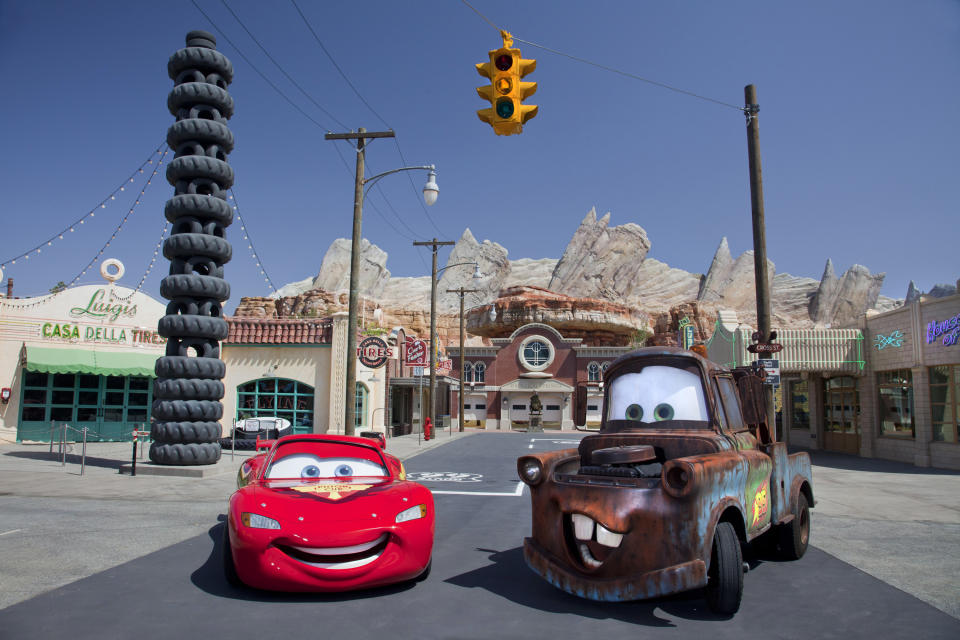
(246, 236)
(605, 67)
(102, 205)
(119, 228)
(153, 261)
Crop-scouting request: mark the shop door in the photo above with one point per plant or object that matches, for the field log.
(842, 419)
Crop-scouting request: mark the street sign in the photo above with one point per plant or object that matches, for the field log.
(772, 369)
(416, 352)
(686, 336)
(444, 367)
(765, 347)
(418, 371)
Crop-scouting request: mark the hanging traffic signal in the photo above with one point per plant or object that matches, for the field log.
(507, 113)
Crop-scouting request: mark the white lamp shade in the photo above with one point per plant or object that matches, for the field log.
(431, 190)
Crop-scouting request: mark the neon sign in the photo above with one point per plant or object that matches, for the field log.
(895, 339)
(949, 329)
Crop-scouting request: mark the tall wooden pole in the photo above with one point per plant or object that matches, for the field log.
(463, 337)
(361, 137)
(761, 275)
(433, 327)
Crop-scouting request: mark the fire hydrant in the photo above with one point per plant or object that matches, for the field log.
(427, 429)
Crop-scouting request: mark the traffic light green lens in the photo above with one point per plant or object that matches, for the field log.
(505, 108)
(503, 62)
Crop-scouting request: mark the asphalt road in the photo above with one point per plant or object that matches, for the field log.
(479, 586)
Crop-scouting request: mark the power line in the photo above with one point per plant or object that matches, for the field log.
(627, 74)
(282, 70)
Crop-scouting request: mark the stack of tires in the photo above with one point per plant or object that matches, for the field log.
(187, 393)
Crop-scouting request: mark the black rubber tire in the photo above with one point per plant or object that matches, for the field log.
(206, 132)
(240, 444)
(725, 576)
(193, 348)
(794, 537)
(199, 265)
(185, 432)
(185, 245)
(193, 93)
(426, 572)
(192, 167)
(197, 206)
(188, 389)
(206, 60)
(194, 286)
(187, 410)
(185, 367)
(226, 551)
(185, 454)
(193, 327)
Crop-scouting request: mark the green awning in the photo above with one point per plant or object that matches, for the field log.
(101, 363)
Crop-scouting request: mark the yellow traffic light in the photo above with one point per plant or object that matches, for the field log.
(507, 113)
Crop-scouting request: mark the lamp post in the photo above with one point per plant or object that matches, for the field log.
(461, 291)
(433, 316)
(430, 191)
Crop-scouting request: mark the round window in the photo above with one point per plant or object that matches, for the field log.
(536, 353)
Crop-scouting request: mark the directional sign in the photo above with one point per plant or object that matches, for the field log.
(763, 347)
(772, 368)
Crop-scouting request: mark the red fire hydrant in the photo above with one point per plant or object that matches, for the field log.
(427, 429)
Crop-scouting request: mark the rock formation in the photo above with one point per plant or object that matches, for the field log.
(601, 262)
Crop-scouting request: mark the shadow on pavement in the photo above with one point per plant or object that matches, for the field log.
(856, 463)
(508, 577)
(71, 458)
(210, 578)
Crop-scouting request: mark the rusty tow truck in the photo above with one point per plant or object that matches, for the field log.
(682, 473)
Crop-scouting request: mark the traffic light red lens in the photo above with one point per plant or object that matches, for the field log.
(503, 62)
(504, 108)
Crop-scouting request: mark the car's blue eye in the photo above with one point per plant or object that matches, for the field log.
(634, 412)
(663, 411)
(310, 471)
(343, 471)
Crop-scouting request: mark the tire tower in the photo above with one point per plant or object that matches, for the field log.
(188, 389)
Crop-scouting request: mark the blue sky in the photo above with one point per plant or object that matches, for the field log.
(859, 131)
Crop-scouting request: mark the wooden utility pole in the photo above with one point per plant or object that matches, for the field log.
(361, 136)
(461, 291)
(433, 326)
(761, 276)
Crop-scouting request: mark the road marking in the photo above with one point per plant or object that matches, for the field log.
(443, 476)
(516, 494)
(11, 531)
(532, 440)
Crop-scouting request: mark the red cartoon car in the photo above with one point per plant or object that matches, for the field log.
(326, 513)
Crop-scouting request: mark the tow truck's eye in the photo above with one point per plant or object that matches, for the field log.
(635, 412)
(310, 471)
(663, 412)
(343, 471)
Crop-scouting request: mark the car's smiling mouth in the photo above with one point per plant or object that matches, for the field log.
(589, 541)
(338, 557)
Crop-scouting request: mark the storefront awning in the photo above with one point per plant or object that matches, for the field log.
(101, 363)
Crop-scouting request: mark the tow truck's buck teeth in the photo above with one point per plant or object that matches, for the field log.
(586, 529)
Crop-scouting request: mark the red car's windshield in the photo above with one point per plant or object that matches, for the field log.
(309, 460)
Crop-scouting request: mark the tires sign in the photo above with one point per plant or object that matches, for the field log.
(416, 352)
(373, 352)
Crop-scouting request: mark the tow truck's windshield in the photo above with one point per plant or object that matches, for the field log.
(656, 394)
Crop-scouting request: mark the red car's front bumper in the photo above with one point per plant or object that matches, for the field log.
(380, 554)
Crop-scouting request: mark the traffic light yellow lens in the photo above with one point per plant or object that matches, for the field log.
(505, 108)
(503, 86)
(503, 62)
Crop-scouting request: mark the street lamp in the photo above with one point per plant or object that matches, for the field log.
(433, 317)
(430, 191)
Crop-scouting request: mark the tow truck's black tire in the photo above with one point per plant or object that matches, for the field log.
(795, 535)
(185, 454)
(725, 577)
(229, 568)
